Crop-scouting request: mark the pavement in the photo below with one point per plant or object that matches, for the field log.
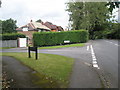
(19, 75)
(96, 64)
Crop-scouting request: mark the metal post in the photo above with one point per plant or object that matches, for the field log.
(29, 52)
(36, 53)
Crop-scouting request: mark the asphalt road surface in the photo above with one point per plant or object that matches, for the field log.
(96, 64)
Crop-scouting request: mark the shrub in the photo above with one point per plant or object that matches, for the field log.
(55, 38)
(11, 36)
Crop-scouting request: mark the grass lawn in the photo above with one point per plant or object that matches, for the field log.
(56, 67)
(62, 46)
(6, 47)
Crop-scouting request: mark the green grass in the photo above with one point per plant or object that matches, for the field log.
(53, 66)
(62, 46)
(6, 47)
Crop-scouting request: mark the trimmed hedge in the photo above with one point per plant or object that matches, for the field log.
(55, 38)
(11, 36)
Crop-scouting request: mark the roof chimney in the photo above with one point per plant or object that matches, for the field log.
(30, 20)
(42, 23)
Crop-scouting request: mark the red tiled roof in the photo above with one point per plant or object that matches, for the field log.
(21, 27)
(50, 25)
(46, 25)
(34, 25)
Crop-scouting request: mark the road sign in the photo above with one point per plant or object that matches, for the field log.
(67, 41)
(33, 49)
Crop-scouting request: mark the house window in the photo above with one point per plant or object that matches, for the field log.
(25, 29)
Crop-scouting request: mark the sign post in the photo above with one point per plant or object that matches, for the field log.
(33, 49)
(29, 52)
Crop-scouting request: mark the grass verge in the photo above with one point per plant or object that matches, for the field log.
(6, 47)
(62, 46)
(53, 66)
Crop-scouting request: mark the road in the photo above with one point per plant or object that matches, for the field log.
(96, 64)
(107, 57)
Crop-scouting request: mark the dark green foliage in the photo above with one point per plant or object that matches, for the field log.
(39, 21)
(11, 36)
(88, 15)
(113, 5)
(55, 38)
(9, 26)
(94, 17)
(114, 32)
(0, 3)
(91, 16)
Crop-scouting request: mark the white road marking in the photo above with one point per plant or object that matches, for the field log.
(87, 47)
(93, 56)
(116, 44)
(95, 65)
(112, 43)
(94, 60)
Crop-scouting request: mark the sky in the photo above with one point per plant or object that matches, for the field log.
(25, 10)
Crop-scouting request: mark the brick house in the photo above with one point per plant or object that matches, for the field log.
(53, 28)
(30, 28)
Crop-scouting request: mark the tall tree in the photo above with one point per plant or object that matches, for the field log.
(113, 5)
(39, 20)
(0, 26)
(9, 26)
(88, 15)
(0, 3)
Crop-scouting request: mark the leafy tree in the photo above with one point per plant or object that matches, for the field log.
(0, 26)
(113, 5)
(39, 20)
(114, 32)
(9, 26)
(91, 16)
(0, 3)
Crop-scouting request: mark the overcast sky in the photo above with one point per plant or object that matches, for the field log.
(25, 10)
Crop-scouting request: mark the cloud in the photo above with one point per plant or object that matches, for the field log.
(25, 10)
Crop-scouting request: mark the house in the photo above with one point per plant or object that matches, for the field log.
(32, 27)
(53, 28)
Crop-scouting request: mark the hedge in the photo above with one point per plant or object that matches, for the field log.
(55, 38)
(11, 36)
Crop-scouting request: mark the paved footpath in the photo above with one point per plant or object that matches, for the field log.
(18, 74)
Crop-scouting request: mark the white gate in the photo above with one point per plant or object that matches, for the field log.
(22, 42)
